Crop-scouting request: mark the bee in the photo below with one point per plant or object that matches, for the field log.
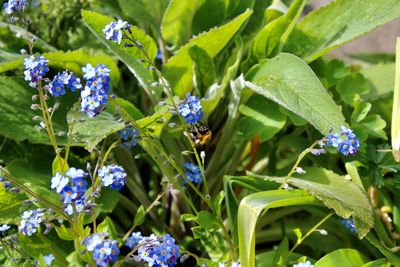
(200, 134)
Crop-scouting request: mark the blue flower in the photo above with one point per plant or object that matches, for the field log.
(14, 5)
(4, 228)
(134, 240)
(113, 176)
(113, 30)
(35, 69)
(349, 224)
(95, 93)
(58, 182)
(346, 142)
(30, 221)
(129, 136)
(72, 188)
(191, 109)
(158, 251)
(105, 251)
(57, 86)
(48, 259)
(193, 173)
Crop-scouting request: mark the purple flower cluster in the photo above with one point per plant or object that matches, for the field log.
(113, 176)
(62, 80)
(129, 136)
(72, 188)
(113, 30)
(30, 221)
(155, 251)
(4, 228)
(105, 251)
(346, 142)
(95, 93)
(35, 69)
(193, 173)
(14, 6)
(191, 109)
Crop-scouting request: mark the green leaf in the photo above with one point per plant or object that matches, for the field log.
(372, 125)
(96, 23)
(139, 217)
(337, 23)
(262, 117)
(16, 115)
(64, 233)
(208, 221)
(91, 131)
(59, 165)
(381, 78)
(11, 206)
(203, 69)
(360, 111)
(351, 87)
(73, 61)
(143, 11)
(343, 196)
(290, 82)
(347, 257)
(395, 132)
(188, 217)
(210, 13)
(177, 21)
(250, 209)
(277, 31)
(178, 71)
(281, 253)
(377, 263)
(108, 200)
(107, 226)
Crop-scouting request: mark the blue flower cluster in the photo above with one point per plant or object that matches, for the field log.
(14, 6)
(191, 109)
(134, 240)
(65, 78)
(303, 264)
(346, 142)
(95, 93)
(129, 136)
(30, 221)
(157, 251)
(349, 224)
(72, 188)
(113, 176)
(35, 69)
(105, 251)
(193, 173)
(113, 30)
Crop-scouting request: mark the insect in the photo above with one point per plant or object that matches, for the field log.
(199, 133)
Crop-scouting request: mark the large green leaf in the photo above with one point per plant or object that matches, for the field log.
(177, 22)
(345, 197)
(210, 13)
(277, 31)
(290, 82)
(144, 11)
(262, 117)
(16, 115)
(178, 70)
(337, 23)
(252, 206)
(73, 61)
(347, 257)
(90, 131)
(96, 23)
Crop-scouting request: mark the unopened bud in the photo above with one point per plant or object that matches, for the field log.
(36, 118)
(35, 106)
(42, 124)
(22, 51)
